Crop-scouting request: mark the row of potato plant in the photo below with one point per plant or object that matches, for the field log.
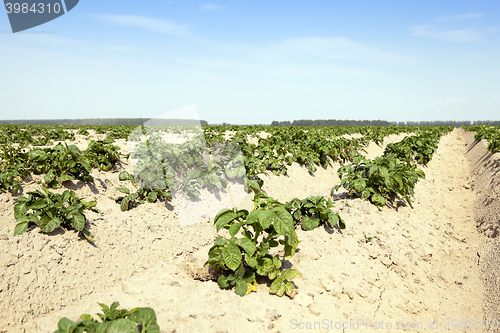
(393, 173)
(59, 163)
(487, 132)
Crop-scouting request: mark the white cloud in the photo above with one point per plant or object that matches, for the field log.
(451, 18)
(145, 23)
(462, 35)
(315, 49)
(210, 7)
(447, 101)
(293, 70)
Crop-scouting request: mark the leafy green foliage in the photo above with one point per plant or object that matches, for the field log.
(268, 226)
(309, 146)
(50, 210)
(314, 211)
(13, 169)
(241, 258)
(141, 195)
(137, 320)
(490, 133)
(102, 155)
(60, 163)
(379, 180)
(419, 147)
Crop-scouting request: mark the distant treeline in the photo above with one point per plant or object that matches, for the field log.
(332, 122)
(335, 122)
(104, 121)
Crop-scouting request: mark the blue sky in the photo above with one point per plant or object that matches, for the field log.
(252, 62)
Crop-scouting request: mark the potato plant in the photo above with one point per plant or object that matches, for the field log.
(137, 320)
(13, 168)
(380, 179)
(141, 195)
(490, 133)
(271, 224)
(102, 155)
(241, 258)
(314, 211)
(60, 163)
(419, 147)
(50, 210)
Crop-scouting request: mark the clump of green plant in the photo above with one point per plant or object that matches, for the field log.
(50, 210)
(83, 131)
(420, 147)
(241, 258)
(314, 211)
(379, 180)
(141, 195)
(268, 226)
(137, 320)
(102, 155)
(60, 163)
(14, 168)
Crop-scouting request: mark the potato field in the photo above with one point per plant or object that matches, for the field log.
(249, 228)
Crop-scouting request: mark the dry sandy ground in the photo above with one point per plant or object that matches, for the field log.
(424, 265)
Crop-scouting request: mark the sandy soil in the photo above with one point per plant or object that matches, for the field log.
(437, 261)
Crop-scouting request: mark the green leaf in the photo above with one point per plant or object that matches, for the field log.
(289, 274)
(20, 209)
(152, 196)
(38, 155)
(378, 200)
(333, 219)
(251, 261)
(365, 194)
(38, 204)
(123, 190)
(48, 224)
(282, 221)
(232, 256)
(78, 221)
(309, 224)
(125, 204)
(420, 173)
(246, 244)
(124, 175)
(21, 228)
(223, 281)
(86, 317)
(273, 274)
(275, 286)
(65, 177)
(265, 266)
(220, 241)
(383, 172)
(241, 287)
(224, 217)
(147, 318)
(263, 216)
(233, 229)
(359, 184)
(240, 272)
(48, 178)
(66, 326)
(121, 325)
(277, 262)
